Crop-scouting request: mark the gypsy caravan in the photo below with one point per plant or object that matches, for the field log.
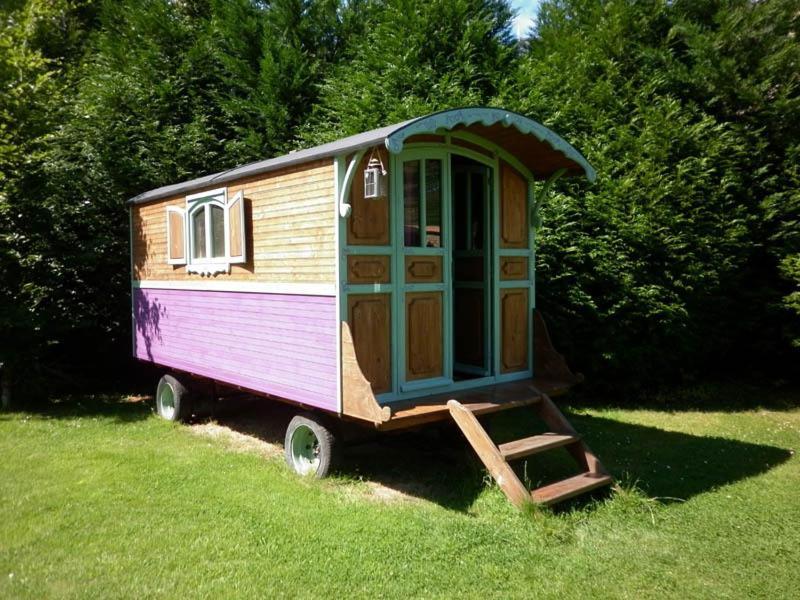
(387, 279)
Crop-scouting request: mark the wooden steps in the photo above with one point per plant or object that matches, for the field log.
(569, 488)
(480, 401)
(496, 457)
(535, 444)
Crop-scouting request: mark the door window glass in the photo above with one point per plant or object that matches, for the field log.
(411, 203)
(433, 203)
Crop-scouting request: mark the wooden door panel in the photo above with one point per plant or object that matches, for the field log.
(369, 317)
(513, 267)
(424, 332)
(423, 269)
(368, 224)
(363, 268)
(513, 208)
(514, 329)
(468, 331)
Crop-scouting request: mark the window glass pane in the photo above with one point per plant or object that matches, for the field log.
(411, 189)
(217, 231)
(433, 203)
(199, 233)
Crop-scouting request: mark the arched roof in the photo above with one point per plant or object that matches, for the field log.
(541, 150)
(537, 147)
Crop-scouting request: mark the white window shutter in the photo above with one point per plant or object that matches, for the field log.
(176, 235)
(235, 241)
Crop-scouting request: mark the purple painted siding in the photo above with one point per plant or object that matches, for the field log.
(279, 344)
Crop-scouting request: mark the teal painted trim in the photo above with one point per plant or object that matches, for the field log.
(368, 249)
(368, 288)
(396, 219)
(397, 210)
(338, 163)
(495, 271)
(455, 149)
(515, 376)
(496, 151)
(341, 250)
(449, 119)
(344, 189)
(454, 386)
(426, 384)
(424, 251)
(472, 369)
(514, 252)
(514, 283)
(425, 287)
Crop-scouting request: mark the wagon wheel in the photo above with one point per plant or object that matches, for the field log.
(173, 401)
(309, 446)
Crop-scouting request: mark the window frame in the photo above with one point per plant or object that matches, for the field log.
(203, 201)
(423, 201)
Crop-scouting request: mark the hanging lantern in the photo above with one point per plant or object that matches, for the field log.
(374, 179)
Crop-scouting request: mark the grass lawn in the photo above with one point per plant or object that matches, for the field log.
(100, 498)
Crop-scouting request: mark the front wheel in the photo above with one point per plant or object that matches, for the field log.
(309, 446)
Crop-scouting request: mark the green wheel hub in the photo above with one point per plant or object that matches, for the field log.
(305, 450)
(166, 402)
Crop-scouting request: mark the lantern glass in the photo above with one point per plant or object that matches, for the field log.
(374, 182)
(371, 183)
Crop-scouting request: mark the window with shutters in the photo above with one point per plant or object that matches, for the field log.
(208, 235)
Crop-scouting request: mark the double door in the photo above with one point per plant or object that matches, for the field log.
(464, 279)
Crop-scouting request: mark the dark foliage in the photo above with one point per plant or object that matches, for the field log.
(683, 259)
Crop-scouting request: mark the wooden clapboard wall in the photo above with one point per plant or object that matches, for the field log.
(289, 224)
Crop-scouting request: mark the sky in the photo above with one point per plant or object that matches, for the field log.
(526, 12)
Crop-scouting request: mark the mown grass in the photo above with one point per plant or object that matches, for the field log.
(99, 498)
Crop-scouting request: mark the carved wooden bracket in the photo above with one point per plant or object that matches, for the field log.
(357, 398)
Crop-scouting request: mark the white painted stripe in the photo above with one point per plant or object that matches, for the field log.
(261, 287)
(337, 167)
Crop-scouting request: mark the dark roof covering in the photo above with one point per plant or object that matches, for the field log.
(540, 149)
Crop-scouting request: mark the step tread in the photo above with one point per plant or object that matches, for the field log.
(483, 408)
(535, 443)
(568, 488)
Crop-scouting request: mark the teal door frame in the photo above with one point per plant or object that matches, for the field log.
(397, 287)
(397, 208)
(486, 253)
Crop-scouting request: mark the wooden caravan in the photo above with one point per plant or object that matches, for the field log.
(386, 278)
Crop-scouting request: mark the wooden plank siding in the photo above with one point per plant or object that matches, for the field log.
(289, 224)
(278, 344)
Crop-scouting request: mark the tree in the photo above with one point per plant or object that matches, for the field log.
(415, 58)
(669, 265)
(39, 41)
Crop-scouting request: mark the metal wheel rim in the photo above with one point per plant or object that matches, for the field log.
(166, 402)
(305, 450)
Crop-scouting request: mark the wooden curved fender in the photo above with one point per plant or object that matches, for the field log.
(548, 363)
(358, 400)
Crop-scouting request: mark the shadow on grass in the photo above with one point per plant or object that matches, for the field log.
(663, 464)
(435, 463)
(707, 396)
(108, 406)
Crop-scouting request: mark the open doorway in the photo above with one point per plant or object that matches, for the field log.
(472, 331)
